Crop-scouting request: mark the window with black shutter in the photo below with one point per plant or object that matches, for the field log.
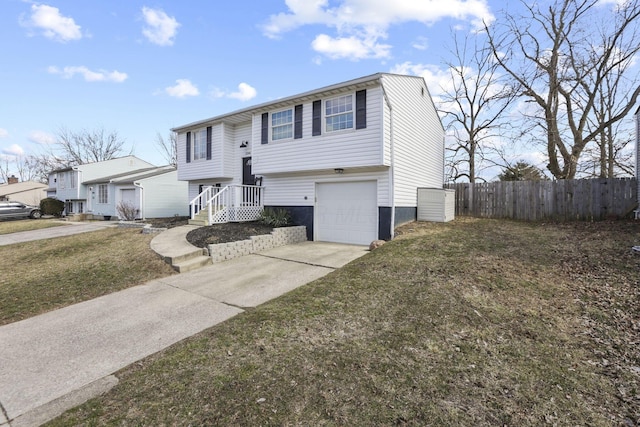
(209, 143)
(297, 122)
(317, 118)
(361, 109)
(264, 137)
(188, 147)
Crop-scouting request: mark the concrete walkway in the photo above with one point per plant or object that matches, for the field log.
(67, 229)
(60, 359)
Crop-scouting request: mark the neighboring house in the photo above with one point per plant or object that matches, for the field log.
(148, 193)
(27, 192)
(345, 160)
(68, 184)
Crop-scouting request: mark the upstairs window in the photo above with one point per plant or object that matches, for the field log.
(200, 144)
(338, 113)
(282, 125)
(103, 194)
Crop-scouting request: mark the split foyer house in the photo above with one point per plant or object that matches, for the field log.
(345, 160)
(98, 188)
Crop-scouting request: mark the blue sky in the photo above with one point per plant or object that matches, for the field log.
(142, 67)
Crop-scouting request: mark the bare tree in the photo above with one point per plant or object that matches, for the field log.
(473, 107)
(86, 146)
(561, 57)
(168, 148)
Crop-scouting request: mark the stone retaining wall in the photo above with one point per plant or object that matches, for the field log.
(278, 237)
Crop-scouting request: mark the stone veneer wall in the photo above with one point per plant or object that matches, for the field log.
(278, 237)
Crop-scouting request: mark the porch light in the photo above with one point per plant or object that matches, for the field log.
(244, 144)
(339, 171)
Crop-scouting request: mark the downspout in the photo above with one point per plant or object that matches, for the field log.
(392, 167)
(138, 185)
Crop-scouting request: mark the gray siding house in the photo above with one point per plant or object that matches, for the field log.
(345, 160)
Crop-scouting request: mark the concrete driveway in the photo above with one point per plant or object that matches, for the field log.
(68, 229)
(60, 359)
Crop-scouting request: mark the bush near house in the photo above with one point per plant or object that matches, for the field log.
(51, 206)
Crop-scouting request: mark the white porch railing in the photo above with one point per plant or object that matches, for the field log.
(233, 203)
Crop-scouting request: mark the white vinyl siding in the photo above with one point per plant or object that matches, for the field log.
(346, 149)
(299, 189)
(222, 152)
(418, 145)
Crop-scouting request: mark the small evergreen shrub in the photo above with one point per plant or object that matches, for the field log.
(51, 206)
(275, 217)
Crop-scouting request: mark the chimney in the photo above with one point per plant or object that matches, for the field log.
(12, 180)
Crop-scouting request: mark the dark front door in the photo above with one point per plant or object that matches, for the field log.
(247, 177)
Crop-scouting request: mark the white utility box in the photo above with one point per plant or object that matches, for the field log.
(436, 204)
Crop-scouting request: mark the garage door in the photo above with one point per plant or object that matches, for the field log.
(346, 212)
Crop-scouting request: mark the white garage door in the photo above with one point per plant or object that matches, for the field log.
(346, 212)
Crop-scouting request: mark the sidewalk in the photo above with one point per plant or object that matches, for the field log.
(58, 360)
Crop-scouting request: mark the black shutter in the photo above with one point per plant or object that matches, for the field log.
(361, 109)
(188, 147)
(265, 129)
(297, 122)
(317, 118)
(209, 143)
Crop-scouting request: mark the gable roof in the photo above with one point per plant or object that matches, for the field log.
(77, 167)
(245, 114)
(131, 176)
(20, 187)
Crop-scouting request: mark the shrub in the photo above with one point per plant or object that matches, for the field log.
(51, 206)
(275, 217)
(127, 211)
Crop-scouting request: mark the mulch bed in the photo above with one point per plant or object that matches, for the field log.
(223, 233)
(217, 233)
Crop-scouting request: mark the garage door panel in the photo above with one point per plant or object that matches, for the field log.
(347, 212)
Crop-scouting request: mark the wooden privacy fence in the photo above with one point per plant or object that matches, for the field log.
(574, 199)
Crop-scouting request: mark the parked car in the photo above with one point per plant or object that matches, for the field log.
(17, 209)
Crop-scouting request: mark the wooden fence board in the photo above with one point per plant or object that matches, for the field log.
(585, 199)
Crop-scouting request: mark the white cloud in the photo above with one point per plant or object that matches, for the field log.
(160, 28)
(438, 79)
(421, 43)
(13, 150)
(245, 92)
(41, 137)
(4, 133)
(352, 47)
(182, 89)
(89, 75)
(359, 24)
(52, 24)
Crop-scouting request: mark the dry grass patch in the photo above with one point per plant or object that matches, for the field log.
(44, 275)
(15, 226)
(472, 323)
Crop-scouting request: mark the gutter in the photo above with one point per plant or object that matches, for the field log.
(392, 167)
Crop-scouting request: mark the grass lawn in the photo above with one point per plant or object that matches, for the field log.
(472, 323)
(14, 226)
(44, 275)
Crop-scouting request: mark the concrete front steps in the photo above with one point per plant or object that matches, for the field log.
(200, 219)
(173, 247)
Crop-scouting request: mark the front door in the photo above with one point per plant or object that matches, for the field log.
(247, 177)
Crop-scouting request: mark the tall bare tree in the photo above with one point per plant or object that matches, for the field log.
(87, 146)
(473, 107)
(168, 148)
(561, 57)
